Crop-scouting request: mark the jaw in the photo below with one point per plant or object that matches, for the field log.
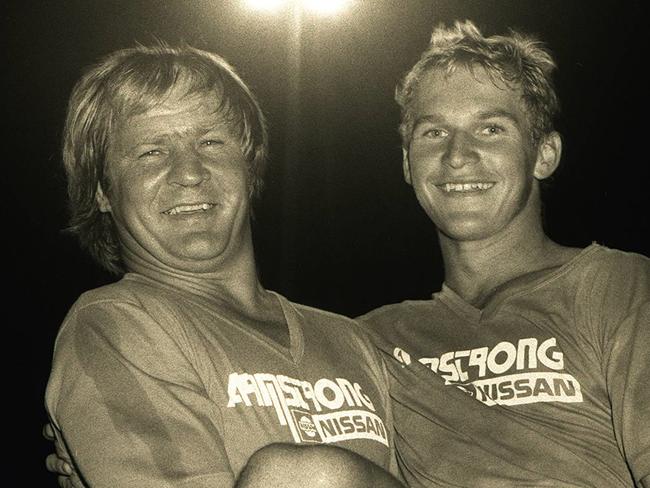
(482, 212)
(510, 230)
(187, 240)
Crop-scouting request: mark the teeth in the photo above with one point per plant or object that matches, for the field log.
(189, 208)
(464, 187)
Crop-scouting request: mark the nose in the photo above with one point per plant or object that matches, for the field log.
(460, 150)
(188, 169)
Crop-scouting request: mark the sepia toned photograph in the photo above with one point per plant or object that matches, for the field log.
(327, 243)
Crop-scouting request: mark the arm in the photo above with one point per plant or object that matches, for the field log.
(628, 371)
(128, 405)
(317, 466)
(623, 307)
(280, 465)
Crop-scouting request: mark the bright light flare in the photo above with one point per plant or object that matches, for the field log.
(322, 7)
(266, 5)
(325, 7)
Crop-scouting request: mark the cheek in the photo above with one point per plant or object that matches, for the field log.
(426, 156)
(233, 178)
(419, 153)
(418, 165)
(132, 194)
(514, 161)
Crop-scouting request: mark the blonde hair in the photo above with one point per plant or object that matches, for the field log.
(517, 60)
(132, 81)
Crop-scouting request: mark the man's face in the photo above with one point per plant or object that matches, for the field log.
(471, 161)
(178, 185)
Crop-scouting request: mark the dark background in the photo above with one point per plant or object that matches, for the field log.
(336, 227)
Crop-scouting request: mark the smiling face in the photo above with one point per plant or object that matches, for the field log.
(178, 186)
(471, 160)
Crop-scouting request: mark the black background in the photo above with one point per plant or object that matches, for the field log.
(336, 227)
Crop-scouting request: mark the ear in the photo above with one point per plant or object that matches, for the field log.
(406, 167)
(549, 153)
(102, 200)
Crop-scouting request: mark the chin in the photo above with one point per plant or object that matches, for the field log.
(198, 250)
(200, 254)
(474, 231)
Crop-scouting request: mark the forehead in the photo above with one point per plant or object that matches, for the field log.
(466, 90)
(176, 112)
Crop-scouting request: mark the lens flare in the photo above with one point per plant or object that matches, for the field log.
(325, 7)
(321, 7)
(265, 5)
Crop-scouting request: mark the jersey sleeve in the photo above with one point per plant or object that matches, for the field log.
(623, 307)
(128, 404)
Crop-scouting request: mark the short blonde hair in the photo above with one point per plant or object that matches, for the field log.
(517, 60)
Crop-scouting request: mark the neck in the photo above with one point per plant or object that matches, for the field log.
(475, 269)
(235, 283)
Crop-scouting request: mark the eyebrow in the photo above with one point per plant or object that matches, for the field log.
(498, 114)
(490, 114)
(423, 119)
(195, 131)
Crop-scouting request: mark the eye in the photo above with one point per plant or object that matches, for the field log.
(492, 130)
(212, 143)
(434, 133)
(151, 153)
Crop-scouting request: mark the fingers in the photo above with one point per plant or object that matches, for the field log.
(55, 464)
(70, 481)
(65, 482)
(76, 482)
(48, 432)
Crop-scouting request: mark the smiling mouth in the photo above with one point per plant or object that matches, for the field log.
(189, 209)
(465, 187)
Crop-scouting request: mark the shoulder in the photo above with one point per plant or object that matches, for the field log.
(325, 315)
(129, 311)
(330, 321)
(132, 292)
(128, 290)
(615, 260)
(601, 269)
(609, 285)
(342, 331)
(387, 324)
(118, 325)
(395, 312)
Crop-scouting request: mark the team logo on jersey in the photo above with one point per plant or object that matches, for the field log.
(329, 410)
(506, 374)
(306, 426)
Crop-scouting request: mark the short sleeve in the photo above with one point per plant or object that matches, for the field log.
(129, 405)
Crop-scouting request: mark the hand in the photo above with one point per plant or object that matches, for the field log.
(59, 463)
